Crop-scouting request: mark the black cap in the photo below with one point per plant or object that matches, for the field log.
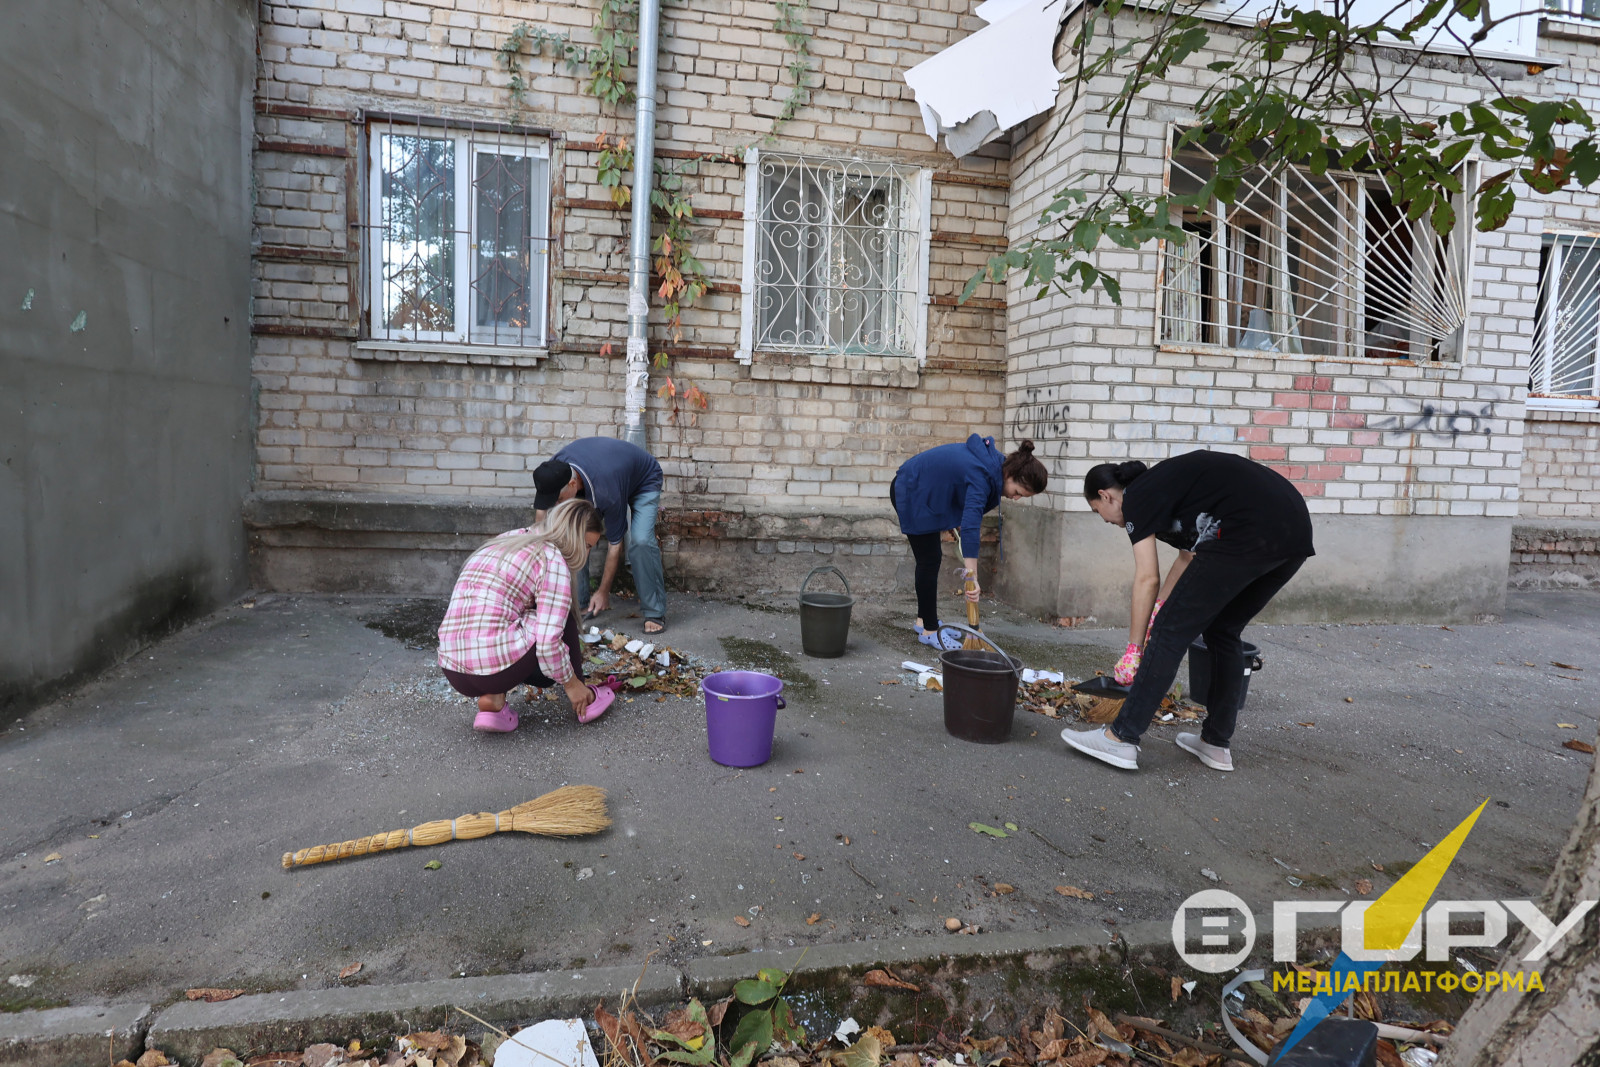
(549, 478)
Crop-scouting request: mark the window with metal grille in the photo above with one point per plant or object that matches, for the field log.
(1308, 264)
(1566, 327)
(838, 258)
(458, 234)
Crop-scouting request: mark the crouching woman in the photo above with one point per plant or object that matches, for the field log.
(511, 620)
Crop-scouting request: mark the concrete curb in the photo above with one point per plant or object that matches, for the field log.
(295, 1019)
(74, 1037)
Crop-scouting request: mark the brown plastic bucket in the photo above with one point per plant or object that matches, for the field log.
(980, 692)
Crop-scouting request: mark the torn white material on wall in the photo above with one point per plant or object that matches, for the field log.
(1004, 74)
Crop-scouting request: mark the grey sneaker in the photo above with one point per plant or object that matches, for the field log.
(1104, 748)
(1218, 759)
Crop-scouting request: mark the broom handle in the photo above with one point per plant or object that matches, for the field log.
(431, 833)
(972, 605)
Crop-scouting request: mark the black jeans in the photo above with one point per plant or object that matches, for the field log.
(929, 554)
(1216, 596)
(525, 671)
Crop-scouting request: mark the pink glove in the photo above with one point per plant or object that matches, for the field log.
(1127, 666)
(1152, 624)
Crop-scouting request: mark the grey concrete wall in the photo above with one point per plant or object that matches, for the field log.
(125, 446)
(1368, 568)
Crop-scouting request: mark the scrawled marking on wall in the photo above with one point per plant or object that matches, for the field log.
(1041, 416)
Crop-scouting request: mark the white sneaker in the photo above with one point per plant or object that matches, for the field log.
(1218, 759)
(1102, 746)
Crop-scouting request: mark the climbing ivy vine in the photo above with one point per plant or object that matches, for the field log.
(616, 41)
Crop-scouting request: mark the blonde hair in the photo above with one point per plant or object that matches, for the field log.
(564, 527)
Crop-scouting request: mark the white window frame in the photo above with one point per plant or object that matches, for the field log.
(919, 195)
(466, 142)
(1351, 304)
(1544, 357)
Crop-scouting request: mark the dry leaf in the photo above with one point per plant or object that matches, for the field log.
(1377, 866)
(1566, 726)
(814, 918)
(1177, 988)
(628, 1027)
(351, 971)
(1363, 886)
(741, 920)
(1191, 1057)
(1578, 746)
(799, 855)
(884, 1037)
(1054, 1050)
(1306, 724)
(883, 979)
(1054, 1025)
(1098, 1023)
(1564, 666)
(153, 1058)
(680, 1026)
(1076, 893)
(718, 1011)
(1002, 888)
(212, 996)
(53, 857)
(1089, 1057)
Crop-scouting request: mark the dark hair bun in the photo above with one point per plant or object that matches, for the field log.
(1128, 471)
(1026, 448)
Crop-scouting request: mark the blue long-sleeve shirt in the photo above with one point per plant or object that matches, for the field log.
(950, 486)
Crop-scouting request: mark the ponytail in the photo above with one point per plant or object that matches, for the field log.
(1022, 468)
(1111, 476)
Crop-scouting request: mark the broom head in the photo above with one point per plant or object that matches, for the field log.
(571, 811)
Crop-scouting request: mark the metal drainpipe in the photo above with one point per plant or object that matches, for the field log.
(644, 150)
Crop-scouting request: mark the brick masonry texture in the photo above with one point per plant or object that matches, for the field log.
(796, 434)
(1090, 382)
(1560, 450)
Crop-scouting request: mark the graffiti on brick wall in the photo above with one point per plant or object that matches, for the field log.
(1040, 415)
(1440, 419)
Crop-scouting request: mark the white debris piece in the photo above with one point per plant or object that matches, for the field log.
(645, 650)
(845, 1029)
(552, 1043)
(930, 679)
(983, 85)
(1029, 676)
(634, 646)
(591, 639)
(914, 667)
(664, 658)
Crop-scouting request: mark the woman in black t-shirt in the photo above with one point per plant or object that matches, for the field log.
(1242, 531)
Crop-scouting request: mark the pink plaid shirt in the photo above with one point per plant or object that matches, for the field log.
(501, 607)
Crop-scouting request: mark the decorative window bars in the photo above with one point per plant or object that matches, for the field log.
(1566, 325)
(458, 234)
(1306, 264)
(838, 263)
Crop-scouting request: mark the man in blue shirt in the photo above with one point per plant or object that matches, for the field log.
(618, 478)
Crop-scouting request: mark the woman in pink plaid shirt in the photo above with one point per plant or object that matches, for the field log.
(511, 621)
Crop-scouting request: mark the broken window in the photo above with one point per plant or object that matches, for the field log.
(1306, 264)
(1566, 332)
(458, 234)
(840, 249)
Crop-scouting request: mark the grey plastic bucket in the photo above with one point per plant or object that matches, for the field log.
(980, 692)
(825, 617)
(1200, 671)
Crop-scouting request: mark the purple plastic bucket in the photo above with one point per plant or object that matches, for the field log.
(741, 716)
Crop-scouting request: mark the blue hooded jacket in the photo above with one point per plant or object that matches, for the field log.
(949, 486)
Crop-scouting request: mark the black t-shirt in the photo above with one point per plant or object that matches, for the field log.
(1220, 504)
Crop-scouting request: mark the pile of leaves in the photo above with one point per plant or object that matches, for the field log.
(757, 1027)
(1058, 700)
(680, 678)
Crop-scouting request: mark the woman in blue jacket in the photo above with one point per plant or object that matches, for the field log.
(952, 486)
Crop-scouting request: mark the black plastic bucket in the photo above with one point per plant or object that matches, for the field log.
(980, 693)
(825, 617)
(1200, 671)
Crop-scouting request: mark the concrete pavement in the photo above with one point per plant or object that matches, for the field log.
(171, 786)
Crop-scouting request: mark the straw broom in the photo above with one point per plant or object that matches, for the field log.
(973, 641)
(571, 811)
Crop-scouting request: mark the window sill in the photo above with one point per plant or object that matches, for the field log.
(431, 352)
(1278, 357)
(1562, 403)
(834, 368)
